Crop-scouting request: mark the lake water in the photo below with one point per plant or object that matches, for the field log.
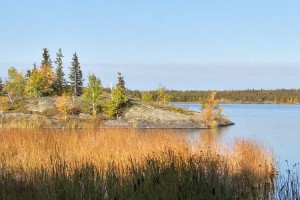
(275, 126)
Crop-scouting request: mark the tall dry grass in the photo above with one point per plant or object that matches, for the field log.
(125, 163)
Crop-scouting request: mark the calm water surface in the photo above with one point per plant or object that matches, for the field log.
(275, 126)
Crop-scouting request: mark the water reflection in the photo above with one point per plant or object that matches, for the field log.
(275, 126)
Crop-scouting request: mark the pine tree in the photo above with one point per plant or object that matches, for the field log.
(76, 81)
(1, 86)
(119, 99)
(34, 66)
(46, 58)
(121, 81)
(47, 72)
(59, 84)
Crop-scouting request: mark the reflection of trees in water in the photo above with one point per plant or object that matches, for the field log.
(205, 136)
(194, 136)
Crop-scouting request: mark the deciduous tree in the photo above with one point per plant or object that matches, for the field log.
(211, 110)
(147, 96)
(14, 85)
(34, 85)
(92, 94)
(162, 96)
(119, 99)
(48, 79)
(64, 106)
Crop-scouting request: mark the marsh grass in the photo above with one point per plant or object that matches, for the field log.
(127, 164)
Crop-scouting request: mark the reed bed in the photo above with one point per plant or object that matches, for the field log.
(128, 164)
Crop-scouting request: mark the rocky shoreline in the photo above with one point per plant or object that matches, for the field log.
(140, 115)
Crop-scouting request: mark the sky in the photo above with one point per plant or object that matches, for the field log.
(179, 44)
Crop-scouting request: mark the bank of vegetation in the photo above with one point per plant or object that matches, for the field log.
(279, 96)
(52, 164)
(45, 81)
(43, 97)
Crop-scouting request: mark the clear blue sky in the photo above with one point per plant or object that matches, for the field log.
(181, 44)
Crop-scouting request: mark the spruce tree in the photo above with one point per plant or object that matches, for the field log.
(121, 81)
(34, 66)
(47, 73)
(59, 85)
(1, 86)
(46, 58)
(76, 81)
(27, 75)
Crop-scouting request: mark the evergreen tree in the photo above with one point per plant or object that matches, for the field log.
(48, 75)
(27, 75)
(92, 94)
(121, 81)
(34, 66)
(59, 84)
(1, 86)
(76, 81)
(46, 58)
(119, 99)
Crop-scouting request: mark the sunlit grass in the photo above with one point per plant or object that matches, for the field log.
(124, 163)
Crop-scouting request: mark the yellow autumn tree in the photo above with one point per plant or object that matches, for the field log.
(211, 110)
(34, 84)
(147, 96)
(48, 77)
(64, 106)
(162, 96)
(14, 86)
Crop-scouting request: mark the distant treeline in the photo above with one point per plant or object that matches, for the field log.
(284, 96)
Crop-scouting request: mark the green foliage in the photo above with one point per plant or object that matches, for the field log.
(46, 58)
(110, 109)
(121, 82)
(14, 86)
(1, 86)
(76, 80)
(286, 96)
(118, 102)
(119, 99)
(93, 94)
(147, 96)
(60, 84)
(27, 75)
(34, 84)
(162, 96)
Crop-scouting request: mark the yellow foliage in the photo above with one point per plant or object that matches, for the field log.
(211, 110)
(63, 105)
(48, 77)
